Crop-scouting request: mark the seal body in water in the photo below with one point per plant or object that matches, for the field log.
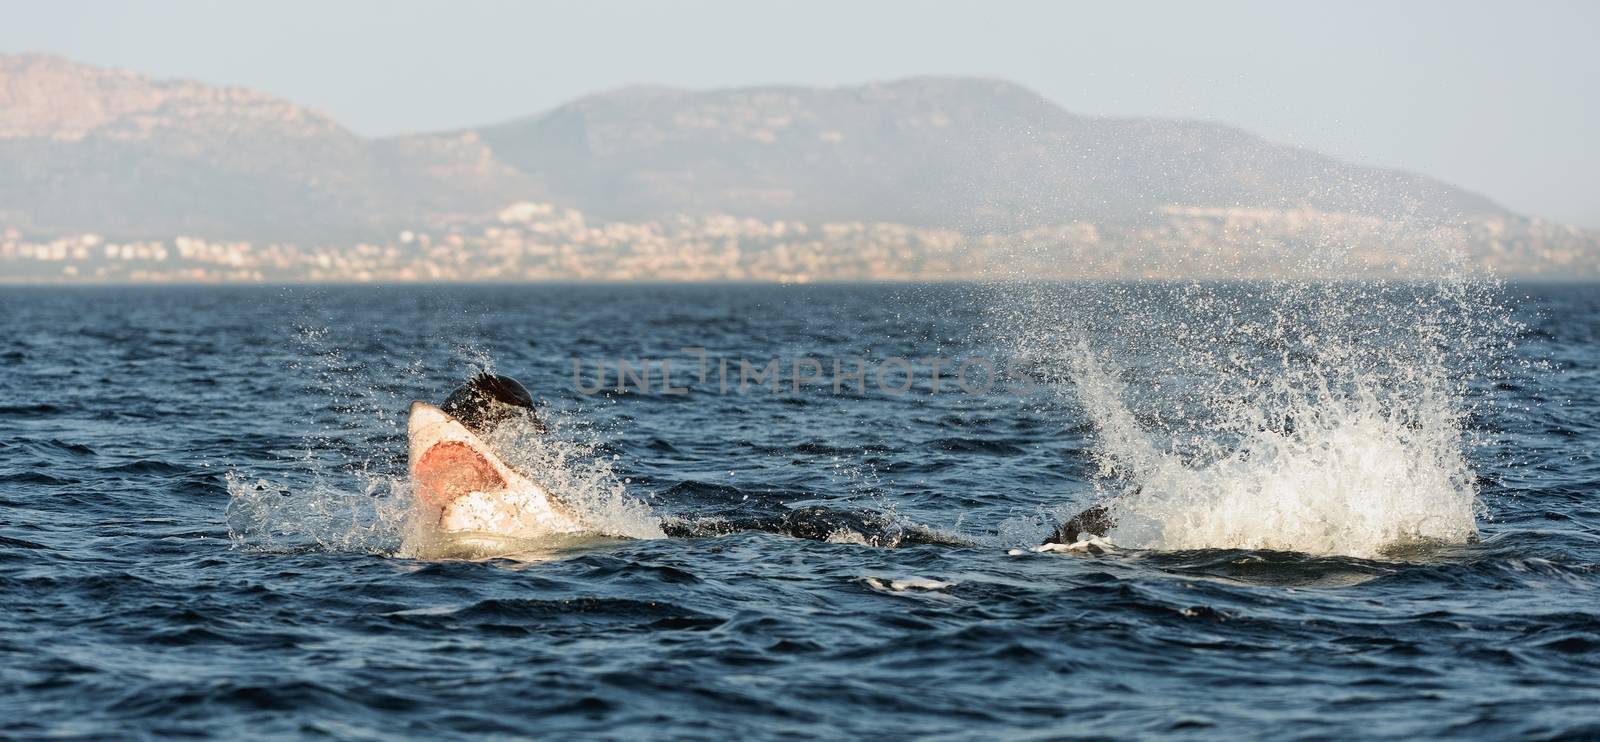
(1095, 521)
(813, 522)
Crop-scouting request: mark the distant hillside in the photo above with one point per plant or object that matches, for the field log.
(88, 149)
(85, 149)
(968, 154)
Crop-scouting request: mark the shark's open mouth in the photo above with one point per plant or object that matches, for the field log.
(463, 486)
(452, 469)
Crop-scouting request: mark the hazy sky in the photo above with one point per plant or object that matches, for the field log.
(1500, 97)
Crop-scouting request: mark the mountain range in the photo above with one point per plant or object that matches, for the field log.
(90, 149)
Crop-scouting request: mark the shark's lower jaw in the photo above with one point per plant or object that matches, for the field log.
(515, 512)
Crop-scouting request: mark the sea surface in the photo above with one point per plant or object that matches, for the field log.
(1343, 510)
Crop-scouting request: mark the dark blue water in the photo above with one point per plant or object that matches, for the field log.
(134, 422)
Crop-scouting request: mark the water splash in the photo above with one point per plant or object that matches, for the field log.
(345, 489)
(1358, 472)
(366, 512)
(569, 461)
(1320, 416)
(349, 490)
(364, 516)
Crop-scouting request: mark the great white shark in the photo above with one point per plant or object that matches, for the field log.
(463, 488)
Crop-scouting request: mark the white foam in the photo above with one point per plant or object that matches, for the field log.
(1322, 418)
(1357, 475)
(1092, 545)
(907, 584)
(570, 466)
(272, 515)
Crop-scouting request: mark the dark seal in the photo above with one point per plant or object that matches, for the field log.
(489, 400)
(1095, 521)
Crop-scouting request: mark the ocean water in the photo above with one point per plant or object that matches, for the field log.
(1341, 509)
